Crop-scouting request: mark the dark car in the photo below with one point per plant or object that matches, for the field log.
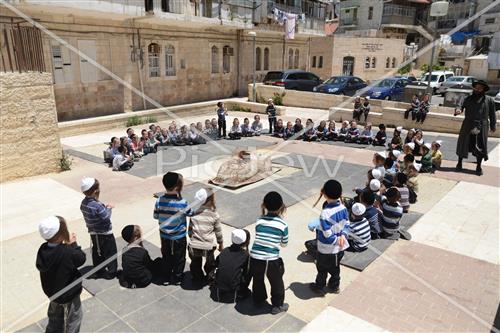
(293, 79)
(389, 89)
(341, 85)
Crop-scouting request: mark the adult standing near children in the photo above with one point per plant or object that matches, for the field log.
(479, 116)
(271, 114)
(221, 114)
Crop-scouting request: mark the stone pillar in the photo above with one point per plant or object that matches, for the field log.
(30, 142)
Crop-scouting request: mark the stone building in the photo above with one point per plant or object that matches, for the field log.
(369, 58)
(174, 51)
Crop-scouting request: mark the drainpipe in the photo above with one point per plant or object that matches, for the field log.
(139, 69)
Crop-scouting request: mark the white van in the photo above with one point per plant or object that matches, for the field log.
(437, 77)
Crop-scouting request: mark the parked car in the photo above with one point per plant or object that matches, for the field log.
(456, 82)
(293, 79)
(389, 89)
(341, 85)
(437, 78)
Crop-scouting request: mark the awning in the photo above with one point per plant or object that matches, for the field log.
(460, 36)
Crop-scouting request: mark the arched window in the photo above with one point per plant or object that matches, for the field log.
(374, 62)
(258, 56)
(313, 63)
(296, 59)
(320, 62)
(266, 59)
(290, 59)
(393, 62)
(226, 59)
(367, 62)
(169, 60)
(154, 60)
(388, 62)
(215, 59)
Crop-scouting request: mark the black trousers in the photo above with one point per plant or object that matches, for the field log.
(328, 264)
(104, 247)
(272, 124)
(222, 127)
(65, 317)
(273, 270)
(421, 117)
(196, 256)
(174, 257)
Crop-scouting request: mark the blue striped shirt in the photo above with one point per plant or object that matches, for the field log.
(334, 222)
(371, 215)
(360, 237)
(97, 217)
(271, 232)
(171, 211)
(391, 215)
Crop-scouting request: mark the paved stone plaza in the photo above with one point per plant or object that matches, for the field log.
(446, 279)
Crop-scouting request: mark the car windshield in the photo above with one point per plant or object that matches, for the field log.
(385, 83)
(336, 80)
(425, 78)
(456, 79)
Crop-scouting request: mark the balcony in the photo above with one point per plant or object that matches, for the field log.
(396, 14)
(348, 22)
(312, 27)
(271, 4)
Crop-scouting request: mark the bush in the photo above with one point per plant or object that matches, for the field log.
(136, 120)
(436, 67)
(278, 98)
(150, 119)
(237, 107)
(405, 69)
(65, 162)
(260, 99)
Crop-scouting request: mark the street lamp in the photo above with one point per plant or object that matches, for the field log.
(438, 9)
(253, 34)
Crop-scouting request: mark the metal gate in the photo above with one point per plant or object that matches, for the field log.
(348, 66)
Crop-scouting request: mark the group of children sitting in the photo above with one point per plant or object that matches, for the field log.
(344, 224)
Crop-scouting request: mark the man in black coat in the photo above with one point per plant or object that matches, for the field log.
(479, 117)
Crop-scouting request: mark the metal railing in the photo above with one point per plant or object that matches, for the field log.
(289, 9)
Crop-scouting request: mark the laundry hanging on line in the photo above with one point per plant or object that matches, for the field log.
(288, 20)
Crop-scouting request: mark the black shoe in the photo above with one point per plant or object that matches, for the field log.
(279, 309)
(334, 290)
(479, 171)
(317, 289)
(459, 167)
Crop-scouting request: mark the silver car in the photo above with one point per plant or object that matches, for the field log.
(460, 81)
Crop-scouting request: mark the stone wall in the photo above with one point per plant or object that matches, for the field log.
(30, 139)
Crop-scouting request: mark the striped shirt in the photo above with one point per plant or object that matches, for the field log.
(405, 197)
(360, 237)
(205, 229)
(371, 214)
(97, 217)
(334, 223)
(391, 215)
(171, 211)
(271, 232)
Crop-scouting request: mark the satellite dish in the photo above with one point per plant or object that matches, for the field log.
(439, 8)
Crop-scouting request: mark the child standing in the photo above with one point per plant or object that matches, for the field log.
(271, 114)
(232, 276)
(271, 233)
(332, 238)
(138, 268)
(204, 231)
(221, 114)
(171, 210)
(58, 260)
(359, 237)
(98, 220)
(380, 137)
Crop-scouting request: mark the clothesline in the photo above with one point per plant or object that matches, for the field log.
(288, 20)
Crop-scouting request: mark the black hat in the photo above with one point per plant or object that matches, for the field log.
(273, 201)
(128, 233)
(332, 189)
(481, 82)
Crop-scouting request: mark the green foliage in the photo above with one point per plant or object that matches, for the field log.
(278, 98)
(405, 69)
(136, 120)
(260, 99)
(237, 107)
(425, 68)
(65, 162)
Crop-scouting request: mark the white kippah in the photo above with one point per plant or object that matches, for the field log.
(201, 196)
(86, 183)
(374, 185)
(358, 209)
(376, 174)
(381, 153)
(49, 227)
(238, 236)
(411, 145)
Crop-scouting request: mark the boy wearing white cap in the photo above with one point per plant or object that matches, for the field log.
(426, 160)
(58, 260)
(97, 217)
(359, 235)
(232, 276)
(204, 232)
(436, 155)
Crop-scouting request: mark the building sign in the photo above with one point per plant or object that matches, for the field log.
(371, 47)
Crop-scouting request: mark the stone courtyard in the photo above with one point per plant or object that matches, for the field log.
(445, 279)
